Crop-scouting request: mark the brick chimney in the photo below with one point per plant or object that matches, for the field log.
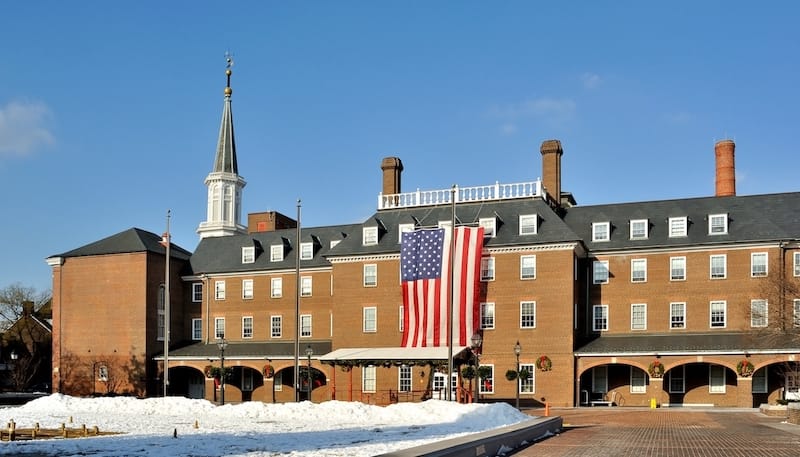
(551, 168)
(726, 171)
(269, 221)
(392, 169)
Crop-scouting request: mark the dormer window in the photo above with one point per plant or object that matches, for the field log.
(370, 236)
(403, 228)
(717, 224)
(306, 251)
(334, 243)
(528, 224)
(601, 231)
(677, 227)
(639, 229)
(276, 253)
(248, 254)
(489, 225)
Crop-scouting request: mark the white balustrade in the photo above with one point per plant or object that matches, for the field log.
(495, 191)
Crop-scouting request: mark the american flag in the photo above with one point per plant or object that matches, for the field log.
(425, 260)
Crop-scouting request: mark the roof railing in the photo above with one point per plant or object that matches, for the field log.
(491, 192)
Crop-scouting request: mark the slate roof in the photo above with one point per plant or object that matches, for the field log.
(689, 343)
(248, 350)
(131, 240)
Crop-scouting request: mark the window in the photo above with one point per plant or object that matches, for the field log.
(248, 254)
(197, 329)
(277, 381)
(401, 318)
(639, 229)
(487, 269)
(677, 227)
(639, 316)
(797, 263)
(718, 266)
(487, 315)
(404, 378)
(527, 314)
(760, 381)
(638, 381)
(716, 379)
(276, 287)
(305, 325)
(527, 385)
(368, 378)
(677, 268)
(219, 290)
(600, 318)
(758, 313)
(677, 315)
(528, 224)
(247, 288)
(639, 270)
(489, 225)
(306, 251)
(487, 383)
(247, 327)
(102, 373)
(600, 272)
(527, 267)
(305, 286)
(197, 292)
(162, 313)
(717, 311)
(276, 253)
(219, 328)
(439, 383)
(677, 379)
(796, 313)
(717, 224)
(370, 324)
(370, 236)
(758, 264)
(600, 380)
(601, 231)
(247, 380)
(370, 275)
(276, 326)
(403, 228)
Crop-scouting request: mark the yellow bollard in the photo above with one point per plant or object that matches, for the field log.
(196, 424)
(547, 409)
(653, 403)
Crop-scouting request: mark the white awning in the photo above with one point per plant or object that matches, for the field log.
(392, 353)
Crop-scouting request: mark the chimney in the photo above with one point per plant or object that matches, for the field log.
(551, 168)
(392, 169)
(27, 308)
(269, 221)
(726, 171)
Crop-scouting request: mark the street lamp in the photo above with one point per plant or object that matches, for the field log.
(517, 351)
(222, 344)
(476, 341)
(309, 353)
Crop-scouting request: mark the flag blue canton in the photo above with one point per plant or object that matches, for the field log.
(421, 254)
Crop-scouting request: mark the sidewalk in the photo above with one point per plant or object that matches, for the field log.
(673, 432)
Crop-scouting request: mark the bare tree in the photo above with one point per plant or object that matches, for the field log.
(12, 300)
(26, 337)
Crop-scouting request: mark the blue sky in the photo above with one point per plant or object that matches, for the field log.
(109, 111)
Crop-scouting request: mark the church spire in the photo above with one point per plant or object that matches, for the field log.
(224, 183)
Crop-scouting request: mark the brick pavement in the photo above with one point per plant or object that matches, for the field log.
(675, 432)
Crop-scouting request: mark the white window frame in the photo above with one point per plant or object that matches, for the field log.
(489, 225)
(248, 254)
(716, 379)
(759, 268)
(674, 315)
(102, 373)
(638, 270)
(724, 273)
(487, 315)
(638, 381)
(600, 273)
(369, 236)
(796, 257)
(306, 286)
(306, 251)
(487, 269)
(796, 313)
(678, 227)
(276, 331)
(197, 329)
(677, 265)
(718, 224)
(639, 229)
(368, 379)
(490, 379)
(638, 316)
(527, 272)
(600, 318)
(276, 253)
(527, 385)
(528, 224)
(370, 275)
(247, 327)
(247, 289)
(527, 314)
(197, 292)
(601, 231)
(759, 312)
(760, 382)
(219, 328)
(276, 287)
(219, 290)
(677, 380)
(717, 307)
(306, 326)
(369, 319)
(404, 228)
(404, 378)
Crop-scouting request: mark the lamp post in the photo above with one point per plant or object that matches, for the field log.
(476, 341)
(309, 353)
(517, 351)
(222, 344)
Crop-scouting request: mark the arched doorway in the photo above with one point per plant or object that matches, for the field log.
(187, 382)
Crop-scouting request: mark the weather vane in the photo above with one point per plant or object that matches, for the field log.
(229, 64)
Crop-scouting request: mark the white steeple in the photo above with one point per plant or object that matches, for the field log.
(224, 183)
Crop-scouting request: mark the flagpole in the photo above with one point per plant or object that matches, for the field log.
(297, 310)
(450, 302)
(166, 241)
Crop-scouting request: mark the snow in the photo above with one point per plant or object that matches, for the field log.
(332, 428)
